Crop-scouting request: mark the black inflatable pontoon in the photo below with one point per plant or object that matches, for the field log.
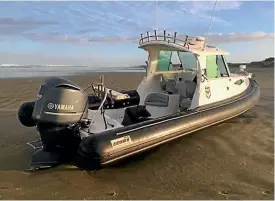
(62, 142)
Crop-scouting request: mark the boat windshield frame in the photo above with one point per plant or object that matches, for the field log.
(182, 67)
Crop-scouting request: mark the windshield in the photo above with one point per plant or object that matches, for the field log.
(164, 60)
(169, 60)
(188, 60)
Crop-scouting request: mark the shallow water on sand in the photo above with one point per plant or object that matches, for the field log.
(232, 160)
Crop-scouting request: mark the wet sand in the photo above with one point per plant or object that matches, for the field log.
(232, 160)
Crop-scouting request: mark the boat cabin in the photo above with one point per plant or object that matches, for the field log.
(181, 75)
(201, 76)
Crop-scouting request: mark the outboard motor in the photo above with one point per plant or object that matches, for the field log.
(60, 101)
(61, 107)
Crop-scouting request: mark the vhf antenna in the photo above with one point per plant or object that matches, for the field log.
(210, 23)
(157, 15)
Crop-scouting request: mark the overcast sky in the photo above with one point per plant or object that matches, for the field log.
(105, 33)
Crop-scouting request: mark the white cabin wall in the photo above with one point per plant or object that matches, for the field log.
(196, 97)
(148, 85)
(202, 61)
(153, 61)
(221, 88)
(151, 82)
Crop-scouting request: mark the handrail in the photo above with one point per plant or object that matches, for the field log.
(102, 102)
(164, 37)
(175, 71)
(103, 88)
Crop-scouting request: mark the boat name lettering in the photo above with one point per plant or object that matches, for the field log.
(60, 106)
(121, 141)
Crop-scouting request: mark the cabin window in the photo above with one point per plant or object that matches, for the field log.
(164, 60)
(188, 60)
(221, 65)
(226, 65)
(212, 69)
(215, 67)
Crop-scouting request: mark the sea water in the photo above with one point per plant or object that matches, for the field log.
(21, 71)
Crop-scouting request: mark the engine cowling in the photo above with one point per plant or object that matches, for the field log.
(60, 101)
(59, 107)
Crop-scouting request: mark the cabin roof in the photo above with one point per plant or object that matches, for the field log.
(194, 44)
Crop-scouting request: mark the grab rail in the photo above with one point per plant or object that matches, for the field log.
(164, 38)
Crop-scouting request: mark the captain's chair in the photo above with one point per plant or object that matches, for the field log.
(170, 87)
(168, 84)
(186, 89)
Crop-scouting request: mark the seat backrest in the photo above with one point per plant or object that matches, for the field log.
(181, 87)
(190, 88)
(186, 88)
(171, 87)
(157, 99)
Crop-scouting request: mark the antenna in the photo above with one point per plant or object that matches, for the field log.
(157, 15)
(210, 22)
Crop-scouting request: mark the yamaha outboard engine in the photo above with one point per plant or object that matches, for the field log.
(61, 107)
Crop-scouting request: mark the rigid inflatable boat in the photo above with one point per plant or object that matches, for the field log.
(172, 100)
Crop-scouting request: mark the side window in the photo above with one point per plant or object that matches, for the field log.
(164, 60)
(212, 69)
(222, 66)
(215, 67)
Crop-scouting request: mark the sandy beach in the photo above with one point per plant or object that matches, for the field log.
(231, 160)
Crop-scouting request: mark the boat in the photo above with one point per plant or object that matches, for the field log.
(172, 100)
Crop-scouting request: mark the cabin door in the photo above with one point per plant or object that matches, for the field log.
(213, 90)
(215, 82)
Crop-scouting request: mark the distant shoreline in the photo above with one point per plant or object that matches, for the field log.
(92, 73)
(268, 62)
(39, 71)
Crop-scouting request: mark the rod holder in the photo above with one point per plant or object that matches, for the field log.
(102, 79)
(185, 42)
(164, 35)
(156, 35)
(141, 38)
(175, 35)
(148, 35)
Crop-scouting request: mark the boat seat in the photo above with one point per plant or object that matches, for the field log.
(162, 104)
(185, 103)
(169, 86)
(134, 115)
(157, 99)
(186, 88)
